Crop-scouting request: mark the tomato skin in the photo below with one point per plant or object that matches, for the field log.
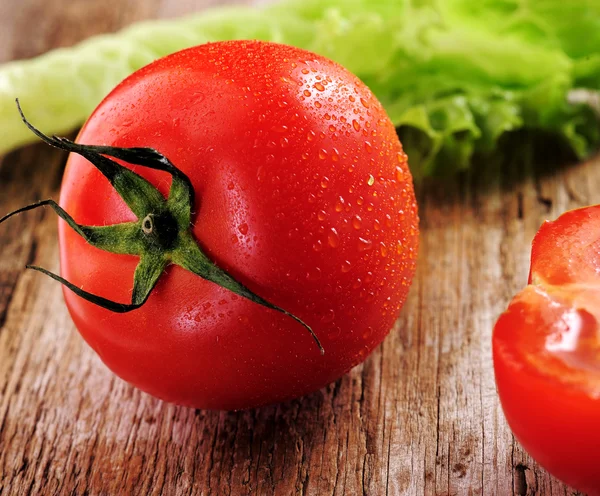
(303, 195)
(546, 350)
(568, 250)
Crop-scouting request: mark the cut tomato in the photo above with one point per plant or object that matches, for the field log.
(547, 351)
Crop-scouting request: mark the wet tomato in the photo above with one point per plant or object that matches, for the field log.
(302, 193)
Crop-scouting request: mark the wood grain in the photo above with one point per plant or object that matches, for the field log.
(420, 416)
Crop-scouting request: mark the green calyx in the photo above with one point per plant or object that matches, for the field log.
(162, 234)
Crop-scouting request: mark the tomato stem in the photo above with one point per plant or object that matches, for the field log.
(162, 235)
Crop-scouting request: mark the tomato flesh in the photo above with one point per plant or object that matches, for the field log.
(547, 351)
(303, 194)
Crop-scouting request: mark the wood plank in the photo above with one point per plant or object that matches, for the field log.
(420, 416)
(31, 27)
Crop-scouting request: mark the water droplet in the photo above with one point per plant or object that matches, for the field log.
(351, 98)
(318, 104)
(305, 71)
(371, 180)
(346, 266)
(311, 136)
(339, 205)
(368, 147)
(311, 198)
(331, 128)
(333, 238)
(335, 155)
(364, 244)
(322, 215)
(388, 220)
(356, 222)
(377, 225)
(320, 86)
(360, 200)
(243, 228)
(324, 182)
(304, 156)
(307, 93)
(327, 117)
(322, 154)
(383, 249)
(318, 245)
(399, 173)
(314, 274)
(357, 284)
(328, 317)
(364, 103)
(355, 125)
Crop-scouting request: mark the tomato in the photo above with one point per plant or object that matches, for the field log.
(547, 351)
(303, 194)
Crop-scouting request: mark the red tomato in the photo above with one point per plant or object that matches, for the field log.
(302, 194)
(547, 351)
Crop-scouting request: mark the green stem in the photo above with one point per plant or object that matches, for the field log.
(161, 235)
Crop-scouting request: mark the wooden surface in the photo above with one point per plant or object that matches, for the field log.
(420, 416)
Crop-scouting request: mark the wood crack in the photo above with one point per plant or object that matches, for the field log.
(7, 291)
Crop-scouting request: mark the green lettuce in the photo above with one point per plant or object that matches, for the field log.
(453, 75)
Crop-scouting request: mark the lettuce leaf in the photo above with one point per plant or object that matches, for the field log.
(453, 75)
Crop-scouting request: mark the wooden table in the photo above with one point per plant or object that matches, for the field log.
(420, 416)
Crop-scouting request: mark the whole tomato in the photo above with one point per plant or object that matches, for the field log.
(547, 351)
(302, 193)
